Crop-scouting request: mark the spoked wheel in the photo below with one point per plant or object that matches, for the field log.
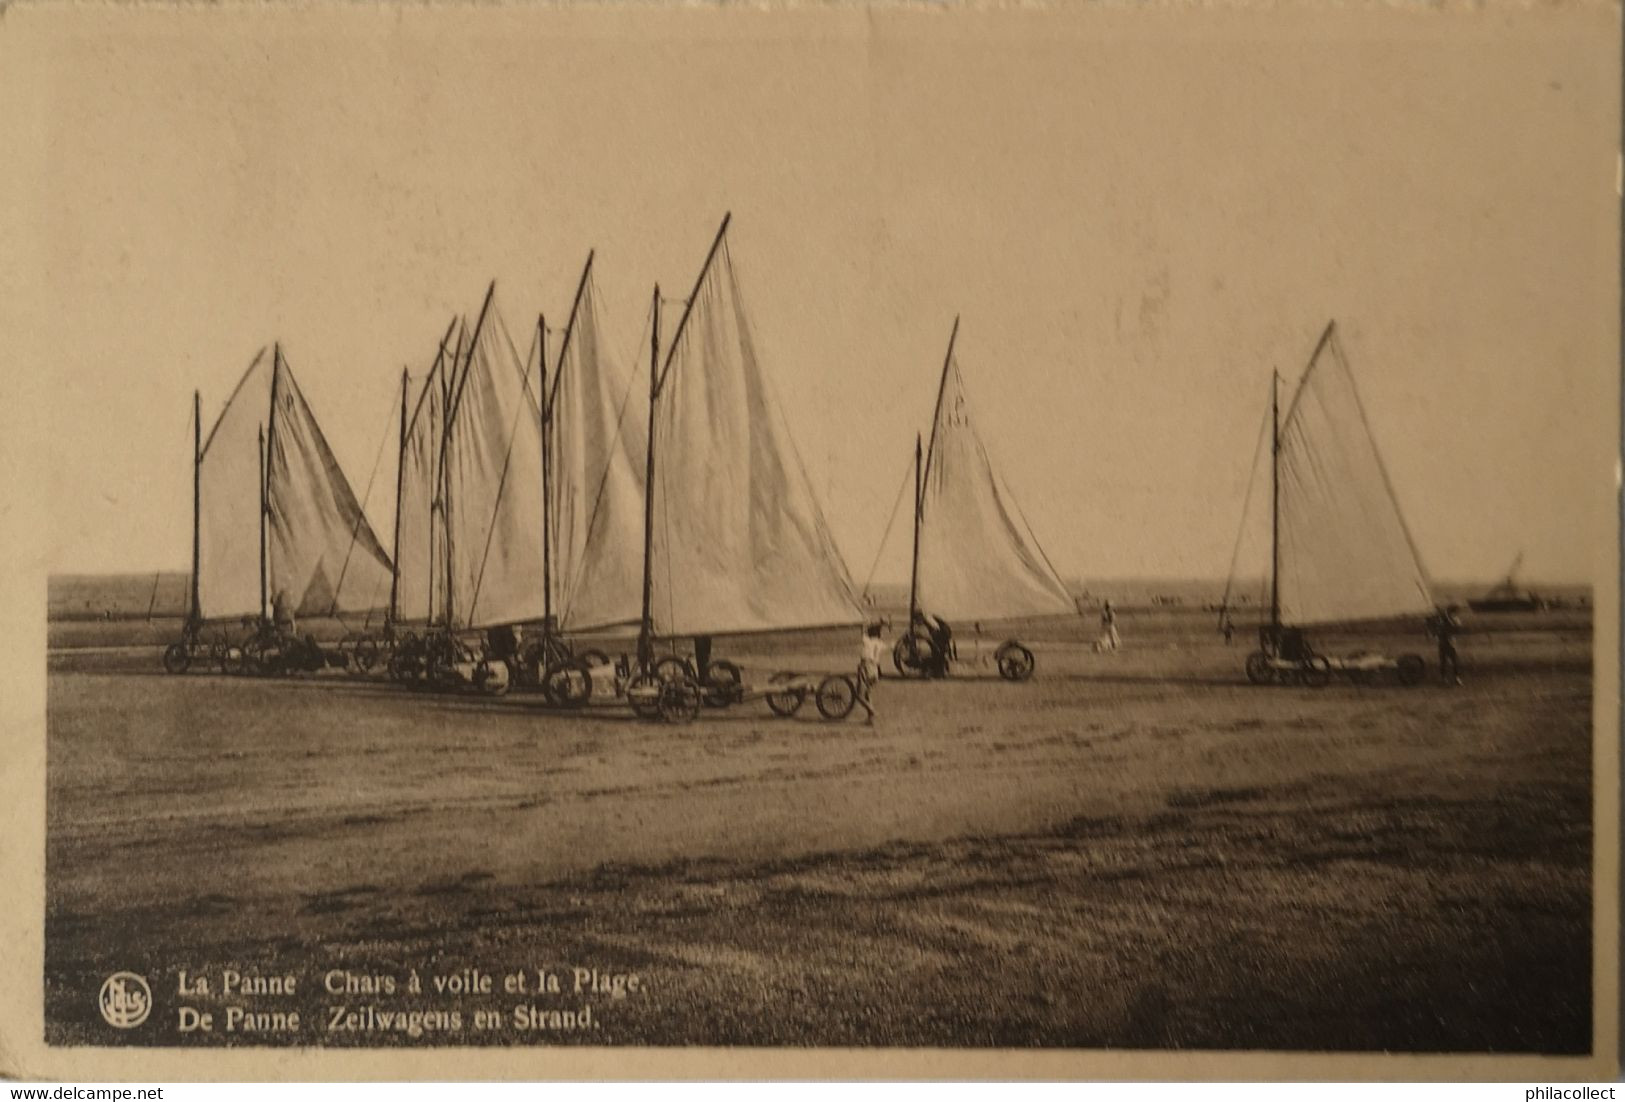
(672, 668)
(644, 695)
(787, 700)
(724, 685)
(256, 658)
(1411, 669)
(679, 700)
(308, 656)
(405, 666)
(491, 677)
(836, 695)
(177, 658)
(568, 686)
(1015, 661)
(1259, 670)
(367, 654)
(913, 655)
(1315, 672)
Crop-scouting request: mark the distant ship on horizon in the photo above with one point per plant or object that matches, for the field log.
(1509, 596)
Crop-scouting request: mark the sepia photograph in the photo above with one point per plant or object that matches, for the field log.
(1007, 534)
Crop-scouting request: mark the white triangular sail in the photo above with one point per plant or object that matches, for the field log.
(229, 499)
(596, 438)
(321, 556)
(493, 492)
(740, 543)
(324, 557)
(979, 559)
(1345, 553)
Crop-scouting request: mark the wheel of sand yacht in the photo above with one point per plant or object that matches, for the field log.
(913, 655)
(405, 663)
(672, 668)
(491, 677)
(836, 695)
(679, 700)
(1259, 671)
(568, 686)
(1316, 672)
(724, 685)
(256, 657)
(1411, 669)
(367, 653)
(786, 701)
(643, 694)
(177, 657)
(1015, 661)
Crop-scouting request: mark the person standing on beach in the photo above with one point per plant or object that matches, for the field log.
(282, 616)
(869, 669)
(1108, 625)
(1444, 626)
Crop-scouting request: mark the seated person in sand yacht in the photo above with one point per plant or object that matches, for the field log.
(942, 642)
(1287, 644)
(282, 617)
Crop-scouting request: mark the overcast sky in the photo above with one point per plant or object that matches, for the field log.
(1136, 216)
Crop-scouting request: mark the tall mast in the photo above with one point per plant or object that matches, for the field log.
(942, 389)
(546, 408)
(268, 450)
(646, 631)
(1275, 500)
(914, 568)
(451, 415)
(195, 616)
(656, 382)
(264, 508)
(546, 394)
(400, 472)
(437, 378)
(450, 389)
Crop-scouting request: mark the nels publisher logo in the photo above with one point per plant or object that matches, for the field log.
(125, 1000)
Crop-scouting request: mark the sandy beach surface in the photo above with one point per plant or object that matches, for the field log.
(1134, 850)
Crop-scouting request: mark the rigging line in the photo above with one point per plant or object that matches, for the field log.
(1037, 544)
(536, 399)
(1246, 504)
(361, 513)
(523, 369)
(372, 603)
(1000, 483)
(603, 479)
(665, 523)
(502, 483)
(908, 469)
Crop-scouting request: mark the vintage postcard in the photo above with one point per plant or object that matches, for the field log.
(807, 540)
